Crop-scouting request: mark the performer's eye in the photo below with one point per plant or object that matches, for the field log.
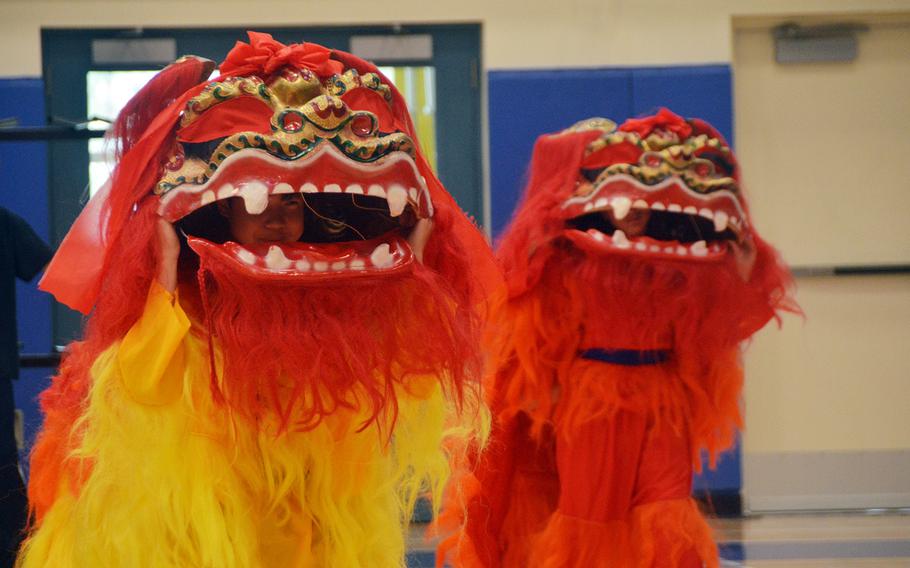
(292, 201)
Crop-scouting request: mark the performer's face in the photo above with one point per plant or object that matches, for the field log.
(281, 222)
(633, 224)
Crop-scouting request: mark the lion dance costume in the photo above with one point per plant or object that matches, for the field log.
(288, 405)
(616, 357)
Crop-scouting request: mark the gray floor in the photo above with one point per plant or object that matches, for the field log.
(838, 540)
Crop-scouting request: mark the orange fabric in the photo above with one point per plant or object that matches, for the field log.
(664, 534)
(608, 467)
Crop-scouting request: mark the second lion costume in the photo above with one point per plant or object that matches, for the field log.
(634, 273)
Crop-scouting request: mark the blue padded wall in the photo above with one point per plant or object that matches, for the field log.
(23, 190)
(705, 92)
(526, 104)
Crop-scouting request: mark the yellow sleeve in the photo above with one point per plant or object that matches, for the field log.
(151, 357)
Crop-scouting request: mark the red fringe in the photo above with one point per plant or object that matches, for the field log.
(664, 534)
(300, 353)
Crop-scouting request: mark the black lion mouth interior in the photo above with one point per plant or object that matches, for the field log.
(662, 226)
(328, 218)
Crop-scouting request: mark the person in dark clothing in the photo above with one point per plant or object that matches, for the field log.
(22, 255)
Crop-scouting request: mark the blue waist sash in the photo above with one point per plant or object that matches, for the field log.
(630, 357)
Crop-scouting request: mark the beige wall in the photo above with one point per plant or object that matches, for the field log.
(824, 152)
(837, 380)
(517, 33)
(824, 147)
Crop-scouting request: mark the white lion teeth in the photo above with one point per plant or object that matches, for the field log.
(601, 203)
(207, 197)
(246, 256)
(309, 188)
(412, 193)
(674, 208)
(640, 204)
(620, 240)
(332, 188)
(283, 188)
(682, 251)
(376, 190)
(302, 265)
(354, 188)
(699, 248)
(658, 206)
(720, 221)
(381, 256)
(357, 264)
(596, 235)
(640, 246)
(690, 210)
(320, 266)
(397, 198)
(255, 196)
(340, 265)
(706, 213)
(589, 205)
(227, 190)
(621, 206)
(275, 259)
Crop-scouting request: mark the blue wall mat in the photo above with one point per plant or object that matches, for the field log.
(23, 190)
(704, 92)
(726, 477)
(526, 104)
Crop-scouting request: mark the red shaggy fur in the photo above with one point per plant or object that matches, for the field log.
(360, 340)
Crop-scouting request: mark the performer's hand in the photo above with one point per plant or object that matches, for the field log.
(169, 248)
(744, 253)
(419, 236)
